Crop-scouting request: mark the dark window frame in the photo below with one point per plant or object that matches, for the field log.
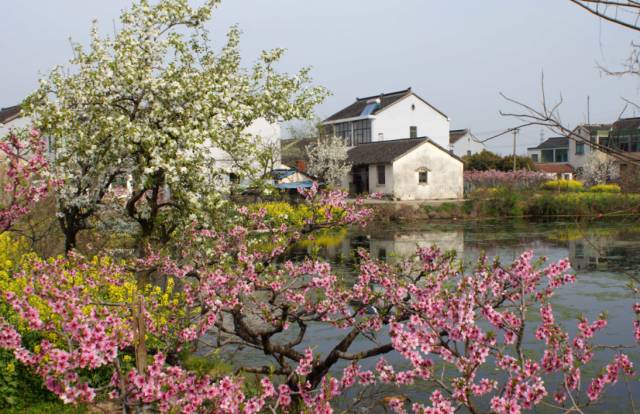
(381, 173)
(413, 131)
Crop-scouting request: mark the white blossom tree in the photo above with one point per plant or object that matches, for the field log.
(328, 160)
(600, 168)
(143, 105)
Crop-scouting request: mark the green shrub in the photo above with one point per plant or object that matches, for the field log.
(563, 185)
(583, 204)
(605, 188)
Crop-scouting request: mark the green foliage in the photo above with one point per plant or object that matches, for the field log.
(501, 202)
(482, 161)
(487, 160)
(583, 204)
(563, 185)
(605, 188)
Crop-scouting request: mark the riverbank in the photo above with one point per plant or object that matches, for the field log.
(505, 203)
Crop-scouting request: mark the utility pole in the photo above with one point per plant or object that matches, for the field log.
(515, 132)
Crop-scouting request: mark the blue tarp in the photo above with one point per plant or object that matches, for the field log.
(294, 185)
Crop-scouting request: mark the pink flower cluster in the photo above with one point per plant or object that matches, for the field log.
(237, 290)
(519, 180)
(25, 169)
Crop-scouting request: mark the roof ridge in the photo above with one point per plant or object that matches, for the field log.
(403, 91)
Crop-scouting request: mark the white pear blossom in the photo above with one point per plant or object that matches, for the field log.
(144, 103)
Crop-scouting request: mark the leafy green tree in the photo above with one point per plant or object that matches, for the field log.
(482, 161)
(146, 105)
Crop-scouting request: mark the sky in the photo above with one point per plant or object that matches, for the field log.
(458, 55)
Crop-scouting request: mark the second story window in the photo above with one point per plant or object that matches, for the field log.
(579, 148)
(413, 132)
(562, 155)
(381, 177)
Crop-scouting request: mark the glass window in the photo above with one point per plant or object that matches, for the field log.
(413, 132)
(579, 148)
(423, 177)
(547, 155)
(561, 155)
(381, 177)
(361, 131)
(343, 130)
(634, 146)
(534, 157)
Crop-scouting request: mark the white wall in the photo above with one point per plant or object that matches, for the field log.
(21, 122)
(445, 177)
(467, 145)
(531, 152)
(394, 121)
(576, 160)
(374, 187)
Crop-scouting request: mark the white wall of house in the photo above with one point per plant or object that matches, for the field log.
(394, 121)
(466, 145)
(578, 160)
(387, 187)
(531, 152)
(17, 123)
(266, 133)
(445, 174)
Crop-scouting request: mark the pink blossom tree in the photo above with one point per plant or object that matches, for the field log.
(237, 291)
(24, 174)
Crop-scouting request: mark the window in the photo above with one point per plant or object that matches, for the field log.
(547, 155)
(561, 155)
(469, 152)
(382, 253)
(423, 176)
(380, 136)
(361, 131)
(534, 157)
(413, 132)
(343, 130)
(579, 148)
(381, 177)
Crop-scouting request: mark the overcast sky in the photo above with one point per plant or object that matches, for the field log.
(456, 55)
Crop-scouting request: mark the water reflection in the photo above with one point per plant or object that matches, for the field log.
(603, 255)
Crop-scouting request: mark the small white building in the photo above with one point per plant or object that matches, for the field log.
(389, 116)
(405, 169)
(462, 142)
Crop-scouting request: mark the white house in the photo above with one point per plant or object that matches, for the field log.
(10, 118)
(405, 169)
(462, 142)
(389, 116)
(552, 158)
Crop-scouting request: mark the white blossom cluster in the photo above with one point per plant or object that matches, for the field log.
(328, 160)
(600, 168)
(146, 103)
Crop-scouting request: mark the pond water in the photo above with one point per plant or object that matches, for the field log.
(604, 256)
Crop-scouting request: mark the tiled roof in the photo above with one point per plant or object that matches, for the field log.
(554, 168)
(384, 152)
(355, 109)
(456, 134)
(626, 123)
(9, 114)
(555, 142)
(386, 99)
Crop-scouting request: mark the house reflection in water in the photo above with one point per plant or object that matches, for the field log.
(394, 245)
